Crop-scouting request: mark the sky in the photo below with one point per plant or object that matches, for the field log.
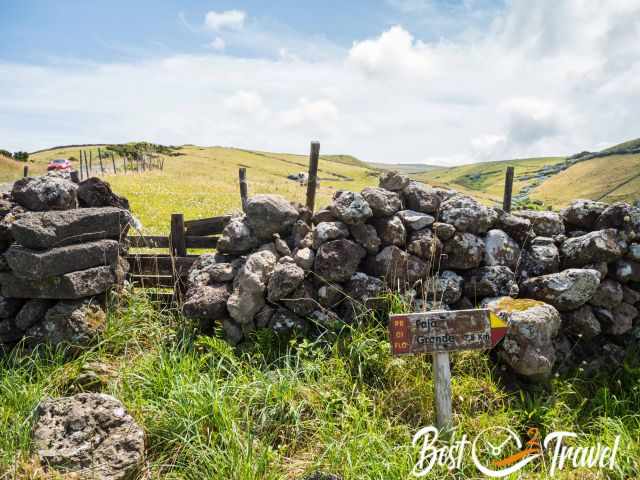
(442, 82)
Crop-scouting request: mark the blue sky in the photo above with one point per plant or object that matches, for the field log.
(436, 81)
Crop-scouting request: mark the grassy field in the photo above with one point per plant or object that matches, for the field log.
(608, 179)
(10, 170)
(277, 410)
(203, 181)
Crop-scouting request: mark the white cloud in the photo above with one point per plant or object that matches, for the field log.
(229, 19)
(394, 51)
(246, 103)
(532, 84)
(218, 43)
(321, 114)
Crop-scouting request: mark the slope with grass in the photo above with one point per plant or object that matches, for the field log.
(10, 170)
(609, 179)
(485, 180)
(203, 181)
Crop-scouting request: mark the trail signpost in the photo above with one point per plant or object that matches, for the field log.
(439, 333)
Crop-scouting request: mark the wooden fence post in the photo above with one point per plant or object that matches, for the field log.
(312, 180)
(113, 161)
(86, 165)
(25, 171)
(81, 171)
(442, 390)
(90, 161)
(101, 165)
(244, 194)
(508, 190)
(178, 241)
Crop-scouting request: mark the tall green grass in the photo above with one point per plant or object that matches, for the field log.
(278, 409)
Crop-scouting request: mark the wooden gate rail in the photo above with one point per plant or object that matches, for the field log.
(170, 270)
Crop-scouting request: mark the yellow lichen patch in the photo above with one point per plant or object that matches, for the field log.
(508, 304)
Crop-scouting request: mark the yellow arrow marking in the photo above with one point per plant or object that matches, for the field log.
(496, 321)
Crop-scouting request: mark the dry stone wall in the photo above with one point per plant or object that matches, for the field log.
(61, 247)
(567, 282)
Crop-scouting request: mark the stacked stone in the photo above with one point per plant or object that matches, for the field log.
(568, 282)
(57, 263)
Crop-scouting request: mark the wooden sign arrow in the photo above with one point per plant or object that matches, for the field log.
(445, 331)
(439, 333)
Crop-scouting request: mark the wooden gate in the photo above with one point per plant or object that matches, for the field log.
(164, 271)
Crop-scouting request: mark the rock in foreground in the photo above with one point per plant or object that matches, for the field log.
(89, 434)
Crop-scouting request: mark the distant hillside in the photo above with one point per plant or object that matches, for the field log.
(406, 168)
(612, 174)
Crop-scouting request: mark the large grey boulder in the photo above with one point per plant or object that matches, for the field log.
(41, 230)
(619, 215)
(528, 345)
(383, 203)
(337, 260)
(421, 198)
(237, 237)
(616, 321)
(364, 290)
(72, 285)
(367, 236)
(32, 312)
(269, 214)
(518, 228)
(207, 302)
(582, 322)
(90, 435)
(446, 287)
(539, 259)
(415, 220)
(582, 213)
(467, 215)
(286, 277)
(250, 285)
(45, 193)
(493, 281)
(302, 301)
(350, 207)
(463, 252)
(608, 295)
(37, 264)
(566, 290)
(500, 249)
(426, 245)
(327, 231)
(444, 231)
(397, 267)
(598, 246)
(544, 223)
(390, 230)
(393, 181)
(211, 268)
(94, 192)
(75, 323)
